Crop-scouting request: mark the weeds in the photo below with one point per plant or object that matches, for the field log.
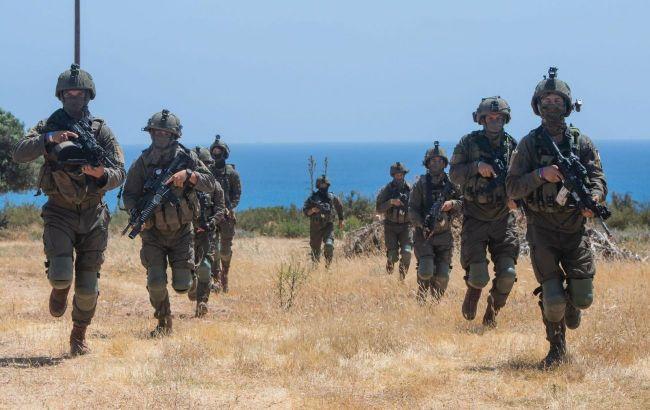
(290, 278)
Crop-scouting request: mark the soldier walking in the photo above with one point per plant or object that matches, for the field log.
(321, 207)
(75, 217)
(226, 175)
(479, 166)
(433, 199)
(392, 202)
(167, 236)
(560, 253)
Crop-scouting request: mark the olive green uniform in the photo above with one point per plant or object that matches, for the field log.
(229, 180)
(435, 249)
(488, 222)
(398, 236)
(75, 217)
(212, 212)
(168, 236)
(321, 225)
(560, 252)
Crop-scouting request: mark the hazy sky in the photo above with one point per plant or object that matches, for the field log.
(278, 71)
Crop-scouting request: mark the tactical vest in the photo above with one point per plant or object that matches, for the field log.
(543, 199)
(323, 217)
(432, 193)
(223, 178)
(68, 181)
(170, 217)
(477, 188)
(399, 214)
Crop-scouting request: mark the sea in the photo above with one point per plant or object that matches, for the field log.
(277, 174)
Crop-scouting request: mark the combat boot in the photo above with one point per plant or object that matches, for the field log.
(572, 316)
(78, 340)
(470, 303)
(436, 292)
(202, 295)
(491, 311)
(403, 270)
(390, 266)
(557, 353)
(163, 328)
(216, 281)
(58, 301)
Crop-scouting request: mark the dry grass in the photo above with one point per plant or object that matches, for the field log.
(354, 338)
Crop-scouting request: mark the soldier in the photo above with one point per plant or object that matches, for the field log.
(226, 175)
(320, 208)
(560, 253)
(392, 202)
(167, 236)
(479, 166)
(75, 217)
(213, 209)
(433, 199)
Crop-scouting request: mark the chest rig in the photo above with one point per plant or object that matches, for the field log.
(543, 199)
(488, 190)
(399, 214)
(223, 178)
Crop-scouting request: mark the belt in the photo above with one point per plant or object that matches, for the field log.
(87, 204)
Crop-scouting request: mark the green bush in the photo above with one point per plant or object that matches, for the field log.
(628, 213)
(21, 215)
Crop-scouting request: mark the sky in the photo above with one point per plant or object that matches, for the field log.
(260, 71)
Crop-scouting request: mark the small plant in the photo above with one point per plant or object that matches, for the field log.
(290, 278)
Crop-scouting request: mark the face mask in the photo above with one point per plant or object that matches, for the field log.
(74, 105)
(553, 117)
(436, 169)
(494, 126)
(323, 189)
(161, 141)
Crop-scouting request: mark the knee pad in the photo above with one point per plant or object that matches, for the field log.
(553, 300)
(181, 280)
(505, 275)
(328, 249)
(478, 275)
(581, 292)
(85, 299)
(204, 272)
(392, 255)
(406, 255)
(407, 249)
(441, 276)
(60, 271)
(426, 268)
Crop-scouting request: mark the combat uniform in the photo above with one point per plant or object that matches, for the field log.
(212, 212)
(168, 236)
(488, 222)
(398, 236)
(230, 182)
(321, 224)
(434, 243)
(75, 217)
(560, 252)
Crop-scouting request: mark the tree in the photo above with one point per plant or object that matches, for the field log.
(13, 176)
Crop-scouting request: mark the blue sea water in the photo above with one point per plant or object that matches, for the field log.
(276, 174)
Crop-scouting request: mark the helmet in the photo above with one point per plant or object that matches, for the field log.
(222, 145)
(69, 153)
(164, 120)
(398, 167)
(323, 180)
(552, 85)
(204, 155)
(75, 79)
(490, 105)
(436, 151)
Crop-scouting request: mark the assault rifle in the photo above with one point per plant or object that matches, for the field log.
(92, 153)
(157, 192)
(501, 171)
(204, 222)
(434, 214)
(323, 207)
(575, 174)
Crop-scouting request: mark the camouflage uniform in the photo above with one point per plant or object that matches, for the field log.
(488, 221)
(213, 209)
(167, 236)
(398, 236)
(321, 224)
(434, 247)
(229, 179)
(560, 253)
(75, 217)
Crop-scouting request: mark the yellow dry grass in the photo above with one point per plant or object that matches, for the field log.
(355, 338)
